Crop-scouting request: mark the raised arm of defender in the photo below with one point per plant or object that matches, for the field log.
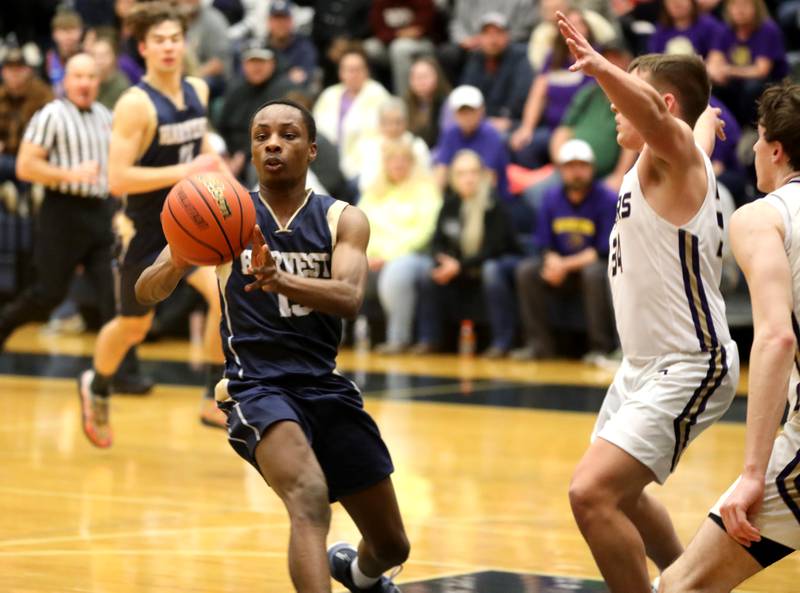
(667, 137)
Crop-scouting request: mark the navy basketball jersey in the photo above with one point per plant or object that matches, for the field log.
(178, 139)
(265, 335)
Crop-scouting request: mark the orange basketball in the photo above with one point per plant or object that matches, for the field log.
(208, 218)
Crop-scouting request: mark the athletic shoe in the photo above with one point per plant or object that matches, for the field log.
(94, 412)
(340, 558)
(211, 415)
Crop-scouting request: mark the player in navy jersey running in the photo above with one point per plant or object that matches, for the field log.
(158, 137)
(290, 414)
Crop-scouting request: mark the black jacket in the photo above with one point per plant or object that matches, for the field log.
(240, 103)
(499, 236)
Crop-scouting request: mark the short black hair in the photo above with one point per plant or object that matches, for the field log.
(308, 119)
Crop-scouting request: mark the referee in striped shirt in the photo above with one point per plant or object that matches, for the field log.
(65, 148)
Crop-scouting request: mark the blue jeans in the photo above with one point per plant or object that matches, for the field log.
(499, 289)
(398, 286)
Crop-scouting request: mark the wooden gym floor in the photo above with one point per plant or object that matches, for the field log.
(484, 452)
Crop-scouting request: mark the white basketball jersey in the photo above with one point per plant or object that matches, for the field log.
(665, 279)
(787, 201)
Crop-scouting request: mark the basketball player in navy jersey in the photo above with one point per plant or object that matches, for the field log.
(158, 138)
(290, 414)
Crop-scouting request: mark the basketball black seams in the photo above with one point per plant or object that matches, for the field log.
(198, 241)
(217, 220)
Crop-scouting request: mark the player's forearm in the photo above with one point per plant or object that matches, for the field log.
(705, 130)
(137, 180)
(770, 364)
(335, 297)
(637, 100)
(158, 281)
(36, 170)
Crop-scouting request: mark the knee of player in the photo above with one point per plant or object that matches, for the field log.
(134, 331)
(586, 497)
(307, 500)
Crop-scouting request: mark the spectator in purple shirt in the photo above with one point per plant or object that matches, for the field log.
(683, 29)
(472, 131)
(548, 99)
(573, 226)
(747, 54)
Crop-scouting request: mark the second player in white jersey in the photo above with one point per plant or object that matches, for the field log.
(664, 278)
(757, 521)
(779, 516)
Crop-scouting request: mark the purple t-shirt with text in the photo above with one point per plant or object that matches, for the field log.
(568, 229)
(766, 41)
(697, 38)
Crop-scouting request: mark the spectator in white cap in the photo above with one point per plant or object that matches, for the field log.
(501, 71)
(573, 225)
(472, 131)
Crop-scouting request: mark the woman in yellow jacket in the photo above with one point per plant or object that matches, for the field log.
(402, 205)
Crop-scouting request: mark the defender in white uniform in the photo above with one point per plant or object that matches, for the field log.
(757, 521)
(680, 367)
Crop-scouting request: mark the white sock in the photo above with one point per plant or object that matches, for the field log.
(361, 580)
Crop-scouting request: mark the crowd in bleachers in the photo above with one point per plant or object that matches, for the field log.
(487, 168)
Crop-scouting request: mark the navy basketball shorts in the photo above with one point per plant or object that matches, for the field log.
(141, 252)
(329, 410)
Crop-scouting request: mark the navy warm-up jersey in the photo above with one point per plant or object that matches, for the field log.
(265, 335)
(178, 139)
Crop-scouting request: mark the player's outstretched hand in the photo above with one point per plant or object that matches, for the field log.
(586, 58)
(711, 119)
(262, 265)
(743, 503)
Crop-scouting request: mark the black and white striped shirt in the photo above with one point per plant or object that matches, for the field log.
(72, 136)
